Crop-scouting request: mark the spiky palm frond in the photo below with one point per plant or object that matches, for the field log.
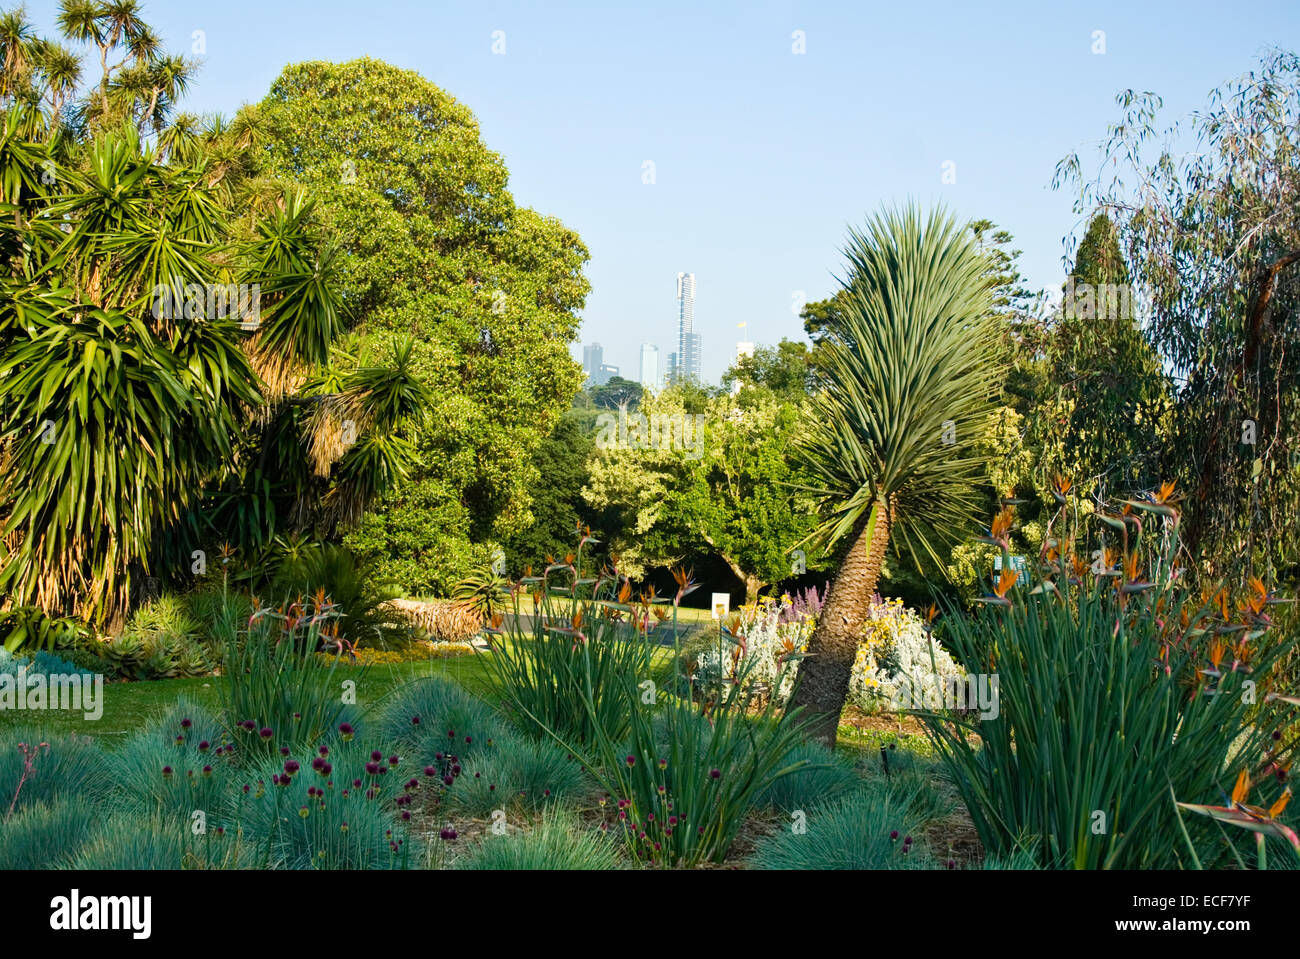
(909, 378)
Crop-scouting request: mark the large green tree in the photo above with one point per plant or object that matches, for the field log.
(434, 246)
(1211, 239)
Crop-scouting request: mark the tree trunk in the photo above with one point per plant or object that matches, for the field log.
(823, 684)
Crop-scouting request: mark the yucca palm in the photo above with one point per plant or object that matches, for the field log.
(910, 374)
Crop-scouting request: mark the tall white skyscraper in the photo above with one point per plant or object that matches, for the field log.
(650, 366)
(688, 341)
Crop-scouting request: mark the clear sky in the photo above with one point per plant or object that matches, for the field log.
(762, 156)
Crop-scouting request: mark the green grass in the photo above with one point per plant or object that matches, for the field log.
(128, 706)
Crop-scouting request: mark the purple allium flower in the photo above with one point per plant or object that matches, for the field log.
(455, 770)
(448, 780)
(663, 764)
(451, 734)
(291, 766)
(376, 755)
(221, 830)
(266, 732)
(284, 750)
(430, 771)
(346, 730)
(343, 827)
(324, 751)
(715, 773)
(356, 784)
(1277, 734)
(167, 770)
(438, 756)
(246, 787)
(372, 768)
(297, 715)
(907, 840)
(631, 760)
(415, 720)
(207, 770)
(249, 725)
(468, 741)
(952, 864)
(546, 792)
(393, 760)
(186, 724)
(492, 787)
(893, 835)
(317, 763)
(204, 746)
(476, 775)
(180, 740)
(406, 816)
(672, 820)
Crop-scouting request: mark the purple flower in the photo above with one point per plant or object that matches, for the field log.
(186, 724)
(291, 766)
(284, 750)
(204, 746)
(893, 835)
(346, 730)
(430, 771)
(415, 720)
(266, 732)
(448, 780)
(376, 755)
(167, 770)
(715, 773)
(631, 760)
(372, 768)
(393, 760)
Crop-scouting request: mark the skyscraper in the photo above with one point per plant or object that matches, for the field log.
(688, 341)
(593, 358)
(650, 366)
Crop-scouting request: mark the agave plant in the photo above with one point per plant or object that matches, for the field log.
(889, 445)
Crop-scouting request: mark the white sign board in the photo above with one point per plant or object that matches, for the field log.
(721, 605)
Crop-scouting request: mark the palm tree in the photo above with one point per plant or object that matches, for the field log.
(910, 373)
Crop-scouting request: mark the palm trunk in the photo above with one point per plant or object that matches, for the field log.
(823, 684)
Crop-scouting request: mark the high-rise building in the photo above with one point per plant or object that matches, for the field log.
(593, 358)
(670, 372)
(604, 374)
(650, 366)
(688, 341)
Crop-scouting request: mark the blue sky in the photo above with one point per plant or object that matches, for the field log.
(762, 157)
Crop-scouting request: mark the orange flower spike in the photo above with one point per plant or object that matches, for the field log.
(625, 592)
(932, 613)
(1166, 492)
(1216, 652)
(528, 572)
(577, 620)
(1006, 579)
(1276, 809)
(568, 559)
(1002, 523)
(1241, 790)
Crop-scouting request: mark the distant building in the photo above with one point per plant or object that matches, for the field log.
(743, 348)
(604, 374)
(670, 373)
(593, 358)
(649, 366)
(688, 341)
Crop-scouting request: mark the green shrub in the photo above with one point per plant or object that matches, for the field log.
(418, 717)
(42, 836)
(826, 776)
(272, 680)
(867, 829)
(314, 819)
(515, 773)
(1116, 696)
(359, 602)
(130, 842)
(559, 842)
(70, 767)
(178, 764)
